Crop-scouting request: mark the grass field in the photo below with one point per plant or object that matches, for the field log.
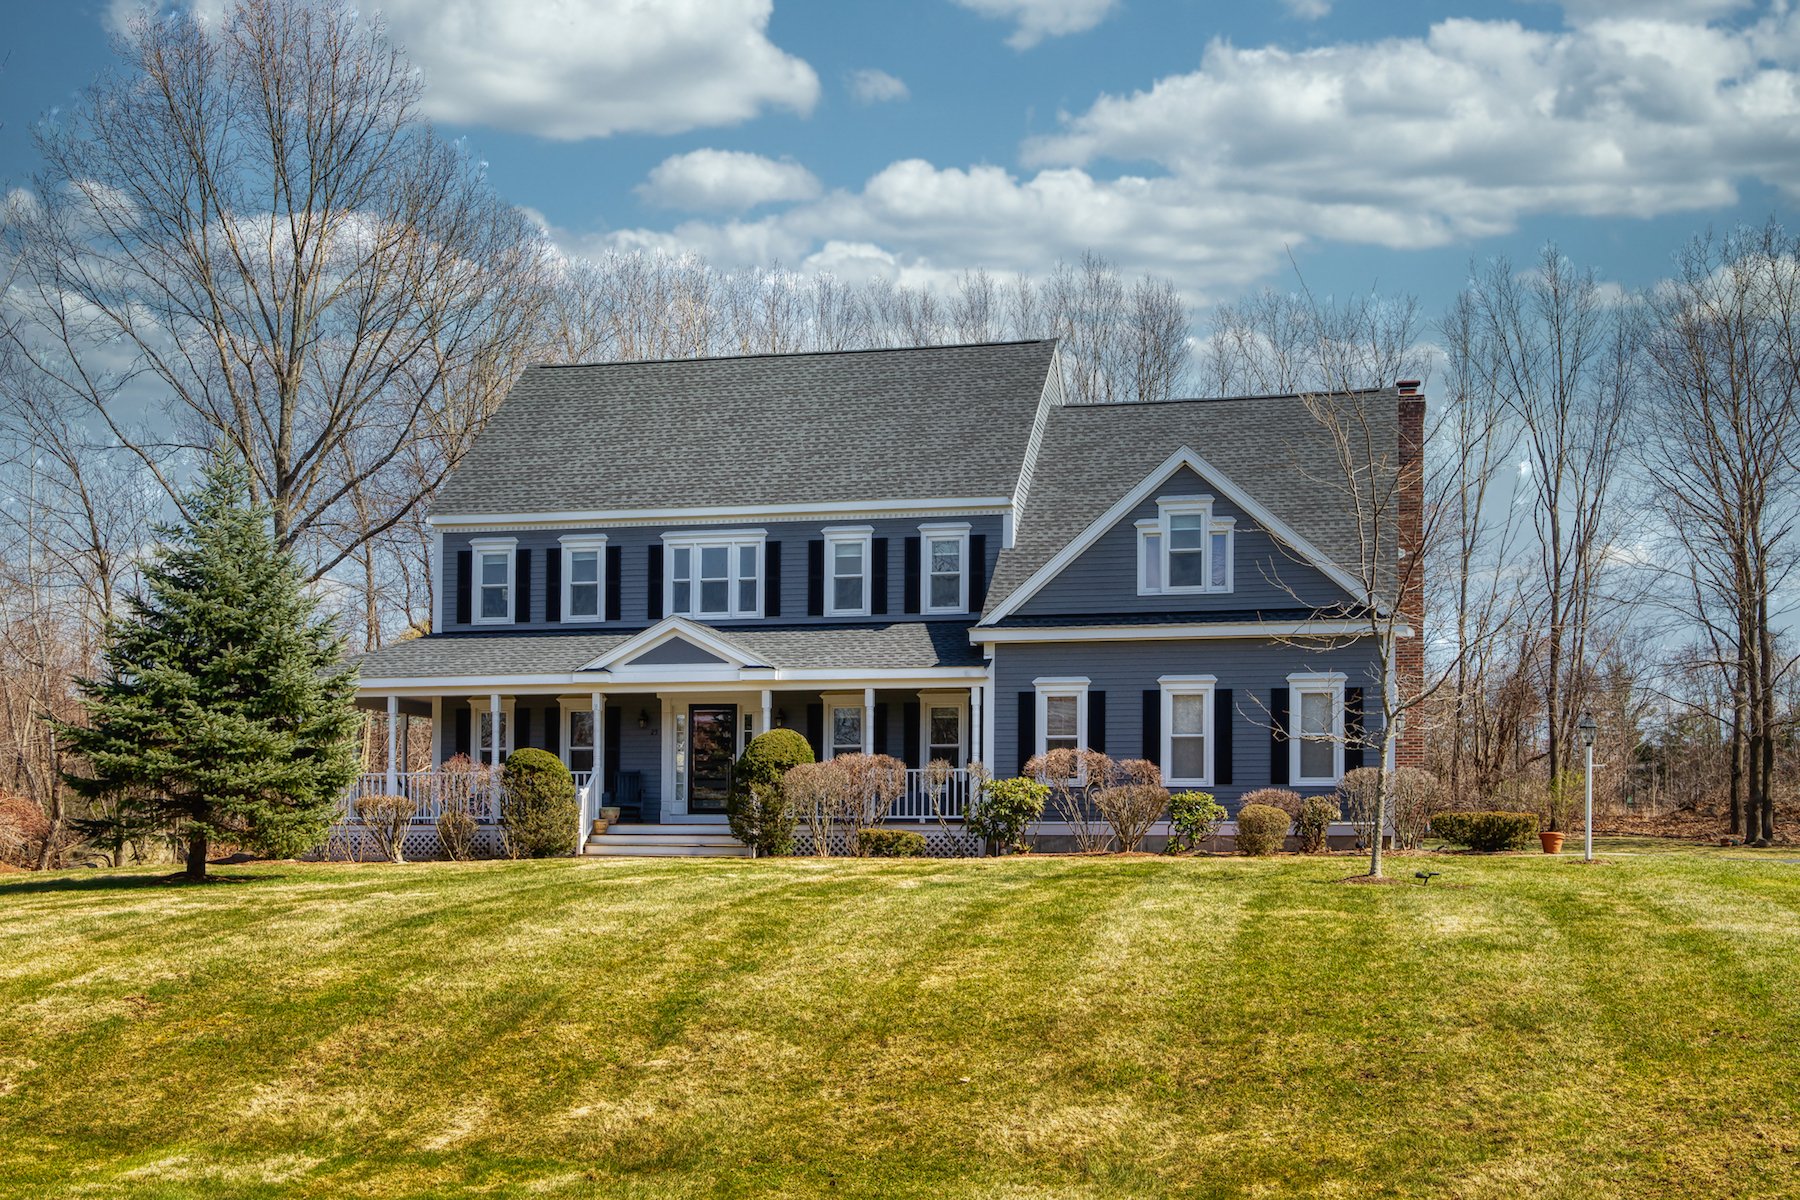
(1023, 1027)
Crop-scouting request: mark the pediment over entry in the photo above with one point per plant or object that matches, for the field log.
(675, 642)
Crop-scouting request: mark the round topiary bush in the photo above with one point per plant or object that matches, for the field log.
(537, 804)
(759, 810)
(1262, 829)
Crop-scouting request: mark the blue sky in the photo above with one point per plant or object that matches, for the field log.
(1384, 144)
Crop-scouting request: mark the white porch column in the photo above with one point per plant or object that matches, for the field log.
(868, 721)
(975, 725)
(597, 707)
(768, 708)
(494, 738)
(393, 721)
(437, 731)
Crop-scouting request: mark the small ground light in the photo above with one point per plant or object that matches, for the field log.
(1588, 727)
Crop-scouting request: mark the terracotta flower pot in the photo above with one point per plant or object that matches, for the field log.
(1552, 842)
(600, 824)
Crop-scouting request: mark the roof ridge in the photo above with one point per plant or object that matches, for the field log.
(654, 362)
(1367, 391)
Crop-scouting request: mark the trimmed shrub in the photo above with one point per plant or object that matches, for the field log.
(1412, 797)
(456, 834)
(386, 819)
(1274, 797)
(761, 815)
(1131, 809)
(1194, 817)
(1262, 828)
(890, 843)
(1487, 831)
(537, 805)
(1004, 810)
(1314, 826)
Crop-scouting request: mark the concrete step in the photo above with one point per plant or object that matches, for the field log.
(609, 838)
(638, 848)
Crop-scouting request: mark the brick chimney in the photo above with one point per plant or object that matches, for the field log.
(1409, 652)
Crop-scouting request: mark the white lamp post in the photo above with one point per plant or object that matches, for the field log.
(1588, 727)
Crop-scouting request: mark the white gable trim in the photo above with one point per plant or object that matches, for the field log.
(1183, 457)
(668, 630)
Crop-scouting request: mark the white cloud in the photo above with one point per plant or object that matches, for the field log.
(870, 86)
(725, 180)
(1036, 20)
(1308, 10)
(574, 69)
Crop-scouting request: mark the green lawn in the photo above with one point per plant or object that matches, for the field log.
(1025, 1027)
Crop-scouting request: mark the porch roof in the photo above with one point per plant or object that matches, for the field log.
(903, 645)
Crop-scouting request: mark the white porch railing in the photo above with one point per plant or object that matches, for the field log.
(924, 801)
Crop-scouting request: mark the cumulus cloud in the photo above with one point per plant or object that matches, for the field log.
(725, 180)
(870, 86)
(582, 70)
(1035, 20)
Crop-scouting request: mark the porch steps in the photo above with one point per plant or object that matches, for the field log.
(666, 841)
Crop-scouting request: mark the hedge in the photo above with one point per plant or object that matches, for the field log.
(1487, 831)
(537, 804)
(890, 843)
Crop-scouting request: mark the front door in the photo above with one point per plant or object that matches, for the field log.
(712, 743)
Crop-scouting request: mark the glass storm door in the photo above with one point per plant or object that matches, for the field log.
(712, 748)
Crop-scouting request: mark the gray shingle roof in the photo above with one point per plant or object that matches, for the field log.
(1274, 447)
(769, 429)
(904, 645)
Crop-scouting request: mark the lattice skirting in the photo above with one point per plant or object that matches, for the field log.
(352, 843)
(938, 842)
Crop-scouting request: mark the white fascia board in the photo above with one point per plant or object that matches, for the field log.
(669, 676)
(838, 510)
(1183, 457)
(1137, 633)
(667, 630)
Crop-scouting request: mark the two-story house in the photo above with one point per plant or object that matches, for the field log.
(925, 552)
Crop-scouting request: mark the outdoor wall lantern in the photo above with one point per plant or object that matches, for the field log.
(643, 718)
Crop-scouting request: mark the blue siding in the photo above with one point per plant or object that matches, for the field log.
(1104, 577)
(634, 542)
(1125, 670)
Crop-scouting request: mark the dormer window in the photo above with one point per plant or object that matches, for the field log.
(493, 559)
(715, 576)
(945, 579)
(583, 575)
(847, 559)
(1184, 548)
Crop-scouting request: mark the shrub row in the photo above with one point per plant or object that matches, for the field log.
(890, 843)
(1488, 831)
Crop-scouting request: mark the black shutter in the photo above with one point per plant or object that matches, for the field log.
(1353, 728)
(815, 578)
(521, 728)
(1027, 728)
(553, 729)
(1153, 726)
(1278, 751)
(465, 586)
(462, 731)
(553, 585)
(909, 734)
(977, 571)
(653, 586)
(522, 576)
(772, 579)
(881, 729)
(1222, 737)
(878, 575)
(1096, 730)
(909, 601)
(815, 729)
(615, 716)
(615, 582)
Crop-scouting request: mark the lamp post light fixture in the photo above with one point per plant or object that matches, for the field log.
(1588, 727)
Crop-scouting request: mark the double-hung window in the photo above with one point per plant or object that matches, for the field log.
(484, 730)
(583, 577)
(944, 718)
(1184, 548)
(1061, 714)
(715, 575)
(493, 563)
(945, 578)
(581, 739)
(845, 730)
(847, 553)
(1187, 724)
(1316, 728)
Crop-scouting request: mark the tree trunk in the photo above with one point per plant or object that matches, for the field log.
(196, 856)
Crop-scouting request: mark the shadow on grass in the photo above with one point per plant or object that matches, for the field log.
(103, 881)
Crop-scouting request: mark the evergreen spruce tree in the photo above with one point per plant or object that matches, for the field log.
(224, 711)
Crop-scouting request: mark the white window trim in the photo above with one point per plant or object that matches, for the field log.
(1159, 526)
(478, 707)
(944, 532)
(956, 700)
(844, 535)
(565, 738)
(1187, 685)
(1059, 686)
(571, 543)
(831, 701)
(1302, 683)
(732, 540)
(478, 547)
